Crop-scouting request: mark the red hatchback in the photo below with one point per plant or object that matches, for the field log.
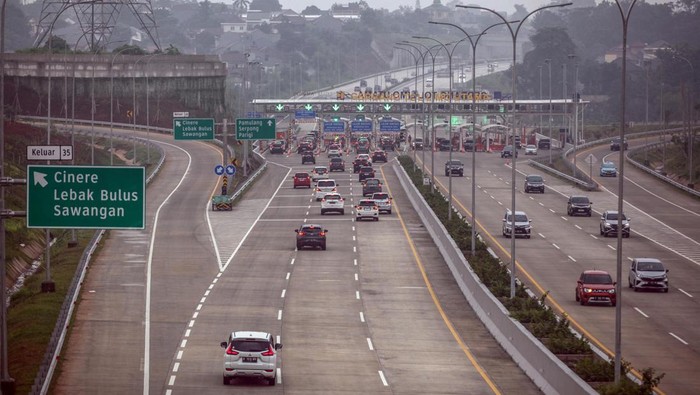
(302, 179)
(595, 286)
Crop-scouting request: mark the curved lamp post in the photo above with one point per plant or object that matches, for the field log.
(548, 62)
(689, 110)
(415, 97)
(148, 117)
(473, 42)
(111, 105)
(514, 36)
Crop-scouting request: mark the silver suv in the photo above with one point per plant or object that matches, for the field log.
(250, 354)
(648, 273)
(523, 225)
(608, 224)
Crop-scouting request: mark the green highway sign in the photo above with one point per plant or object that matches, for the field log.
(387, 107)
(336, 107)
(193, 129)
(360, 107)
(279, 107)
(309, 107)
(94, 197)
(255, 128)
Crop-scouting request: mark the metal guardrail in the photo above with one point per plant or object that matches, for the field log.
(549, 373)
(655, 173)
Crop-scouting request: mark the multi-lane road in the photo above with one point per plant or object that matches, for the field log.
(657, 328)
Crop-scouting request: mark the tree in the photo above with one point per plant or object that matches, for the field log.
(127, 49)
(311, 10)
(241, 5)
(265, 5)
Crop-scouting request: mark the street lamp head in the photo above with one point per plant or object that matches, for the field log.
(547, 61)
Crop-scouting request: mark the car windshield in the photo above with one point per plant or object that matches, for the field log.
(518, 218)
(602, 278)
(608, 165)
(534, 178)
(380, 196)
(454, 162)
(650, 266)
(579, 200)
(251, 345)
(613, 217)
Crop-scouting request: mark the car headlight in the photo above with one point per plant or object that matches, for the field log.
(611, 291)
(588, 290)
(607, 224)
(627, 225)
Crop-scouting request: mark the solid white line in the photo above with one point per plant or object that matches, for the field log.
(179, 355)
(362, 317)
(288, 274)
(556, 246)
(578, 227)
(369, 343)
(171, 382)
(689, 295)
(641, 312)
(187, 333)
(572, 258)
(279, 315)
(176, 367)
(284, 291)
(357, 294)
(678, 338)
(381, 376)
(149, 266)
(183, 343)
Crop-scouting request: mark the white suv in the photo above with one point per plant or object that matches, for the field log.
(333, 202)
(522, 224)
(367, 208)
(250, 354)
(324, 187)
(383, 201)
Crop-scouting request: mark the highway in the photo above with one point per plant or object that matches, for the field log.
(378, 312)
(656, 326)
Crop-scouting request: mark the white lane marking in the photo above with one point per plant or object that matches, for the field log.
(354, 249)
(279, 315)
(284, 291)
(572, 258)
(199, 307)
(593, 236)
(278, 338)
(381, 377)
(179, 355)
(556, 246)
(353, 228)
(552, 211)
(305, 219)
(288, 274)
(279, 375)
(307, 213)
(206, 293)
(149, 267)
(531, 198)
(215, 280)
(187, 332)
(292, 261)
(612, 248)
(541, 204)
(689, 295)
(564, 218)
(356, 279)
(204, 299)
(218, 274)
(542, 236)
(678, 338)
(353, 238)
(191, 324)
(578, 227)
(196, 313)
(168, 392)
(210, 286)
(171, 382)
(176, 367)
(641, 312)
(362, 317)
(183, 343)
(369, 344)
(357, 294)
(354, 261)
(500, 204)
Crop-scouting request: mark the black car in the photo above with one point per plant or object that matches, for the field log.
(366, 172)
(379, 156)
(544, 144)
(468, 145)
(311, 235)
(304, 147)
(370, 186)
(387, 144)
(418, 144)
(308, 157)
(445, 145)
(615, 144)
(534, 182)
(454, 167)
(578, 205)
(357, 164)
(508, 152)
(336, 164)
(277, 147)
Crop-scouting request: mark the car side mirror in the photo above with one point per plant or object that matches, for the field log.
(579, 282)
(504, 220)
(278, 346)
(224, 344)
(325, 230)
(666, 270)
(296, 230)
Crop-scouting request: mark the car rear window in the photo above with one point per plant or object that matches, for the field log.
(312, 230)
(366, 169)
(366, 203)
(250, 345)
(380, 196)
(326, 183)
(336, 160)
(301, 175)
(320, 170)
(372, 182)
(332, 197)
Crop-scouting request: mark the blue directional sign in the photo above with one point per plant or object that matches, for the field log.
(333, 127)
(361, 126)
(230, 170)
(219, 170)
(302, 113)
(252, 114)
(389, 126)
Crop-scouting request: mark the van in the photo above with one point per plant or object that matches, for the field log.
(544, 144)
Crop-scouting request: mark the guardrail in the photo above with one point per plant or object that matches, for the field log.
(550, 374)
(655, 173)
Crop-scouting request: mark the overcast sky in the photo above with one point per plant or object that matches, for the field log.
(391, 5)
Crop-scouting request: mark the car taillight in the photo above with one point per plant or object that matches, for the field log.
(318, 189)
(322, 233)
(333, 190)
(301, 233)
(375, 207)
(231, 351)
(270, 352)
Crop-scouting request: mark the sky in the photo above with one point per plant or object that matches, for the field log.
(391, 5)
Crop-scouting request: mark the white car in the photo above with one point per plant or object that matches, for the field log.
(332, 153)
(324, 187)
(364, 156)
(333, 202)
(383, 201)
(250, 354)
(367, 208)
(530, 149)
(319, 173)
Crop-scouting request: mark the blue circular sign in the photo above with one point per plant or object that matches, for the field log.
(230, 170)
(219, 170)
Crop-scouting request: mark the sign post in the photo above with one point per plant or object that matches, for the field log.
(88, 197)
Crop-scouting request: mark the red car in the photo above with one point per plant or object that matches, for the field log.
(302, 179)
(595, 286)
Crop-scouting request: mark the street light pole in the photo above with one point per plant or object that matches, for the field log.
(691, 133)
(575, 103)
(514, 36)
(415, 99)
(148, 115)
(111, 106)
(473, 43)
(548, 62)
(423, 54)
(625, 15)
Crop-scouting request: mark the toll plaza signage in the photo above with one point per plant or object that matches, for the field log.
(97, 197)
(442, 96)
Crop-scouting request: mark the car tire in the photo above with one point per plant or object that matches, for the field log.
(576, 295)
(665, 290)
(323, 212)
(602, 233)
(589, 214)
(626, 235)
(342, 212)
(629, 283)
(323, 246)
(299, 246)
(569, 213)
(636, 289)
(227, 380)
(582, 302)
(613, 304)
(376, 218)
(272, 381)
(527, 237)
(388, 212)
